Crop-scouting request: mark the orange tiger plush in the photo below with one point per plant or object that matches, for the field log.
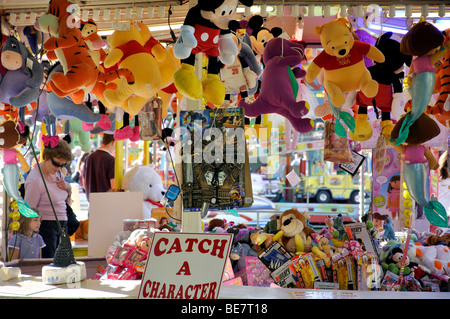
(81, 73)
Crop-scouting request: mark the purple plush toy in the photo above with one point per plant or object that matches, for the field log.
(278, 95)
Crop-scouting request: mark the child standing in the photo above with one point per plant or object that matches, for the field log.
(27, 243)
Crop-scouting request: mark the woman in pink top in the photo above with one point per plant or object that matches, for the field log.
(54, 158)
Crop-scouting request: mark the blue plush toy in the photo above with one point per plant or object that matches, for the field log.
(389, 232)
(238, 254)
(23, 75)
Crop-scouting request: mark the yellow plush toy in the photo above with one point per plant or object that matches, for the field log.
(343, 62)
(127, 51)
(167, 64)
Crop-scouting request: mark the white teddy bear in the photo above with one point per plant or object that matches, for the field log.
(145, 179)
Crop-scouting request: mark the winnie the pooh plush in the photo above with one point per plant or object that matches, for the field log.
(127, 52)
(343, 62)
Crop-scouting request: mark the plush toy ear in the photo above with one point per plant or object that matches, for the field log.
(318, 29)
(255, 22)
(208, 5)
(247, 3)
(343, 20)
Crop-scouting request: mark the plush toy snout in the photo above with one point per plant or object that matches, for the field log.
(11, 60)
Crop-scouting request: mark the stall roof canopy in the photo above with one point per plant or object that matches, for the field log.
(156, 13)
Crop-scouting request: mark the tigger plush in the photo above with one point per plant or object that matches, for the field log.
(442, 86)
(80, 73)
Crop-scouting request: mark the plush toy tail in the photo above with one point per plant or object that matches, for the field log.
(11, 176)
(437, 214)
(421, 89)
(415, 178)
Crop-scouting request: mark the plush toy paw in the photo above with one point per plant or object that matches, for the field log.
(322, 110)
(363, 129)
(213, 89)
(303, 125)
(386, 129)
(185, 42)
(300, 109)
(370, 89)
(136, 134)
(87, 127)
(104, 122)
(187, 82)
(337, 99)
(123, 133)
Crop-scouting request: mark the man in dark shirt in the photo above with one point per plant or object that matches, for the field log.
(99, 168)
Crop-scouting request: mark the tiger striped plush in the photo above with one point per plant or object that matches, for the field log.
(442, 85)
(80, 73)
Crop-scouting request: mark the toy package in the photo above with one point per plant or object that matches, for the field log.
(369, 272)
(306, 270)
(257, 273)
(275, 256)
(228, 274)
(336, 148)
(344, 271)
(284, 277)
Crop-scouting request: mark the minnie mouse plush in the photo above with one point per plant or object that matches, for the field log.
(205, 30)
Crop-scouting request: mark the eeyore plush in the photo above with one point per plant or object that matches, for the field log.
(22, 74)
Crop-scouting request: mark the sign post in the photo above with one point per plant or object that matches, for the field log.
(185, 266)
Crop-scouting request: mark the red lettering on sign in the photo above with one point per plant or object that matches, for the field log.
(184, 269)
(157, 251)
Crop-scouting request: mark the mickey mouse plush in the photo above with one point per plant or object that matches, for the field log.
(205, 30)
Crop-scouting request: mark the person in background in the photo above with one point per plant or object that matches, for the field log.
(98, 171)
(56, 155)
(27, 243)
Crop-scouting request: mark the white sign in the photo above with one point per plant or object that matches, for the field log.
(185, 266)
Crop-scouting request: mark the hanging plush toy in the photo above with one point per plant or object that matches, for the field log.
(423, 41)
(342, 60)
(12, 136)
(24, 74)
(279, 85)
(441, 110)
(65, 108)
(127, 52)
(237, 77)
(167, 64)
(389, 76)
(205, 30)
(260, 35)
(94, 44)
(80, 73)
(416, 156)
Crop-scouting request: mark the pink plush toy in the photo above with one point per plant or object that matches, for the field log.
(279, 86)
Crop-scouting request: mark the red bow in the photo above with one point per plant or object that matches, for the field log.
(51, 141)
